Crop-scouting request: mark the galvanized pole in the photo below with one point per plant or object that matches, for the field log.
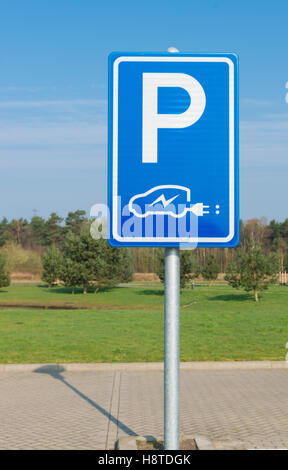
(171, 352)
(172, 345)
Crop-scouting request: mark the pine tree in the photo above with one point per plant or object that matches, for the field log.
(211, 269)
(89, 262)
(4, 275)
(75, 221)
(53, 231)
(119, 266)
(71, 273)
(253, 270)
(52, 265)
(189, 268)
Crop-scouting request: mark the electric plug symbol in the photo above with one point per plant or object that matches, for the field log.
(198, 209)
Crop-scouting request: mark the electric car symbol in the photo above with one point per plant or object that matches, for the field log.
(167, 199)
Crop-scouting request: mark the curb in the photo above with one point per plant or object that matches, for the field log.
(201, 442)
(143, 366)
(130, 442)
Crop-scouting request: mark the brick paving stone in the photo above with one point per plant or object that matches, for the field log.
(92, 409)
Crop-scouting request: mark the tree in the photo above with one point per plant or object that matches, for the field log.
(71, 274)
(253, 270)
(17, 229)
(52, 265)
(75, 221)
(85, 255)
(94, 262)
(189, 268)
(20, 260)
(211, 269)
(53, 232)
(280, 246)
(126, 265)
(4, 275)
(5, 233)
(119, 266)
(37, 226)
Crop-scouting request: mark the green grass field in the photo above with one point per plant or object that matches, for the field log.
(126, 325)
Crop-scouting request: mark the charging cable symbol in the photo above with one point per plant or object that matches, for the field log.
(166, 199)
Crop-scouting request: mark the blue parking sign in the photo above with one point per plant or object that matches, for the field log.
(173, 150)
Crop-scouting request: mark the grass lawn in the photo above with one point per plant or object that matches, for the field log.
(126, 325)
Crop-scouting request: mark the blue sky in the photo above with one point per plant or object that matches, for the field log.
(53, 93)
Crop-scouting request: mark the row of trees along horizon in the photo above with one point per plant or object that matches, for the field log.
(62, 249)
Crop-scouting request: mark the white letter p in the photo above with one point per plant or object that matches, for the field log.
(152, 121)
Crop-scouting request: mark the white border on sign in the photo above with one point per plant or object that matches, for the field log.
(115, 150)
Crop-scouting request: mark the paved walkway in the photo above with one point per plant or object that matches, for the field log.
(91, 409)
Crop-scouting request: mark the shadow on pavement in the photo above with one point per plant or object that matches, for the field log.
(56, 374)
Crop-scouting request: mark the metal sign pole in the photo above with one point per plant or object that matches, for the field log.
(171, 349)
(171, 344)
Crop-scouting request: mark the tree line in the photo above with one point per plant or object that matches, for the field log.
(39, 233)
(71, 255)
